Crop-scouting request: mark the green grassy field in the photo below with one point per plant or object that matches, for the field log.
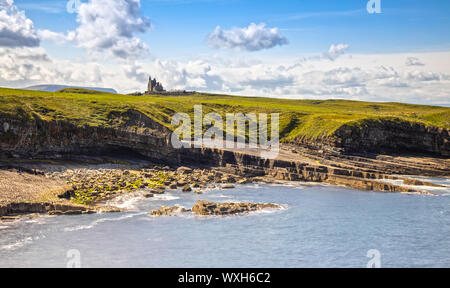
(298, 118)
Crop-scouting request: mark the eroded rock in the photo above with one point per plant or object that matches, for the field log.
(187, 188)
(169, 211)
(222, 209)
(228, 186)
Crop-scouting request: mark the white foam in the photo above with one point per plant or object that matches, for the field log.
(271, 210)
(166, 197)
(39, 220)
(102, 220)
(77, 228)
(222, 196)
(443, 191)
(445, 181)
(21, 243)
(127, 202)
(253, 186)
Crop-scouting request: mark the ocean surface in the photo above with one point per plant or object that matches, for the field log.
(319, 226)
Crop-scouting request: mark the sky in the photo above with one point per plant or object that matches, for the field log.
(303, 49)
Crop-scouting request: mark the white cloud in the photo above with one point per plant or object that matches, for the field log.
(423, 76)
(106, 29)
(413, 61)
(328, 75)
(361, 77)
(107, 26)
(255, 37)
(16, 30)
(110, 25)
(59, 38)
(336, 50)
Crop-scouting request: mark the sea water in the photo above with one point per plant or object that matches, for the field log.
(318, 226)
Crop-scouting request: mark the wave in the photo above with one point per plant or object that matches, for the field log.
(222, 196)
(21, 243)
(39, 220)
(282, 207)
(17, 244)
(102, 220)
(166, 197)
(253, 186)
(127, 202)
(439, 191)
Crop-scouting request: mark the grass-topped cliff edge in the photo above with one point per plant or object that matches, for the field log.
(306, 119)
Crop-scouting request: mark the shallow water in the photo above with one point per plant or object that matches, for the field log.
(320, 226)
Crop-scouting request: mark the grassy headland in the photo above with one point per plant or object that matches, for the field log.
(298, 118)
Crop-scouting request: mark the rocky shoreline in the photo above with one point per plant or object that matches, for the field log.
(59, 188)
(83, 190)
(86, 191)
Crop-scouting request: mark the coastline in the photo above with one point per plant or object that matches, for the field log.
(73, 187)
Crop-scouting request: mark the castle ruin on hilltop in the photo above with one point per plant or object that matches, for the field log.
(154, 86)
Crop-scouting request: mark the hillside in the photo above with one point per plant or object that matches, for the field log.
(301, 121)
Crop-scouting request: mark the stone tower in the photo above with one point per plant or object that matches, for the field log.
(154, 86)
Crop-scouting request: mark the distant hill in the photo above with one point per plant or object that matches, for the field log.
(82, 91)
(55, 88)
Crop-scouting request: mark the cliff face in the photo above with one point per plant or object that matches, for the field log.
(31, 137)
(383, 136)
(396, 136)
(134, 131)
(25, 137)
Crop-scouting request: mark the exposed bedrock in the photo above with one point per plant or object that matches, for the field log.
(133, 131)
(385, 136)
(206, 208)
(36, 137)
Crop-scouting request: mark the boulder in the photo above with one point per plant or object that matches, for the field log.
(184, 170)
(181, 183)
(168, 211)
(222, 209)
(228, 186)
(244, 181)
(159, 190)
(187, 188)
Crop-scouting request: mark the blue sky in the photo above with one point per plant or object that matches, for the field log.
(181, 27)
(286, 49)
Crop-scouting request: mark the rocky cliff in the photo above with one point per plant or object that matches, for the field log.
(23, 137)
(32, 136)
(392, 136)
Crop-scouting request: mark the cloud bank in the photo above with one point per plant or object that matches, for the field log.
(413, 61)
